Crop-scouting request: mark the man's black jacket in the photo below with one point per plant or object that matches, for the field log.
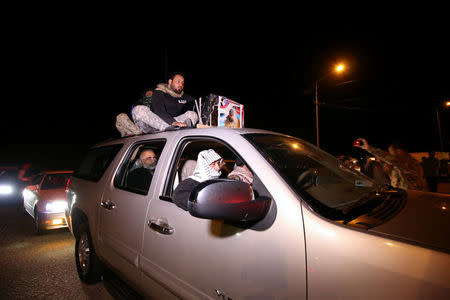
(167, 105)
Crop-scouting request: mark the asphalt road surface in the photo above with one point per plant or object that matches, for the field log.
(43, 266)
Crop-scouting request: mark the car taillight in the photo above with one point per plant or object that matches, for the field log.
(67, 186)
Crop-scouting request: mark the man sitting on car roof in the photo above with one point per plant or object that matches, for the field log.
(170, 106)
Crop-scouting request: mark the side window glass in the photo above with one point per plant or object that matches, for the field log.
(96, 162)
(36, 180)
(185, 163)
(136, 173)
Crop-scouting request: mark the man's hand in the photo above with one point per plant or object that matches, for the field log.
(362, 143)
(179, 124)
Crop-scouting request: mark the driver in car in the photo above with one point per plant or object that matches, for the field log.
(209, 164)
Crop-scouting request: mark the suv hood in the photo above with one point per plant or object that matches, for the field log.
(425, 220)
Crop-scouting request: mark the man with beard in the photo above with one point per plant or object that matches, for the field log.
(141, 173)
(170, 106)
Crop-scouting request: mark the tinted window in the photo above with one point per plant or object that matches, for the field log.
(136, 173)
(55, 181)
(96, 162)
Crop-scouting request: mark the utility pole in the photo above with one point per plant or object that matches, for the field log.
(439, 129)
(317, 113)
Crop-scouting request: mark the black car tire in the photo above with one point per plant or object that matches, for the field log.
(38, 228)
(89, 267)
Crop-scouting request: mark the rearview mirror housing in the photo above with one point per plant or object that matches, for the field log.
(228, 200)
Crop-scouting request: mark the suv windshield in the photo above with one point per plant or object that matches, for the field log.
(325, 183)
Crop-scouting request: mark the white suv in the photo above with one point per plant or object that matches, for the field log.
(309, 228)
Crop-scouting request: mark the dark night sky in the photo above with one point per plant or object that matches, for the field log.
(65, 90)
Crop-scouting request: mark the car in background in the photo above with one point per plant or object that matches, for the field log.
(10, 187)
(44, 200)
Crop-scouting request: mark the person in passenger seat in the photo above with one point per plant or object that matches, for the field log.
(141, 173)
(209, 164)
(147, 160)
(242, 173)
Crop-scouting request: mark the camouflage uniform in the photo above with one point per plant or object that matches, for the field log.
(125, 126)
(146, 120)
(406, 173)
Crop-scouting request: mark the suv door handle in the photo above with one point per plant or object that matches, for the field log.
(107, 204)
(160, 225)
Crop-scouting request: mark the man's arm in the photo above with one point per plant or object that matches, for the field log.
(382, 155)
(159, 108)
(378, 153)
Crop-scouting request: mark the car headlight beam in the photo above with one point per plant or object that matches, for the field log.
(56, 206)
(6, 189)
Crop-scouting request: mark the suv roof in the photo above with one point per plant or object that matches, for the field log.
(215, 131)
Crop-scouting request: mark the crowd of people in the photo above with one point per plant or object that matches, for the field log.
(396, 167)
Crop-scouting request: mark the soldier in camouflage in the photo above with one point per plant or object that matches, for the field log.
(405, 171)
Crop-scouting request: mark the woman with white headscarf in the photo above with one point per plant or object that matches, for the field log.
(208, 167)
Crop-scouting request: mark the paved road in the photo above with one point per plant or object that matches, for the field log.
(40, 267)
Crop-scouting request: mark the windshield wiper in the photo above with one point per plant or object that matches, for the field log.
(366, 203)
(362, 205)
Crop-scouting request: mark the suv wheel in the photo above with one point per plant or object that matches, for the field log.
(89, 267)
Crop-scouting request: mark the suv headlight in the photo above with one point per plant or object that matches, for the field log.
(6, 189)
(56, 206)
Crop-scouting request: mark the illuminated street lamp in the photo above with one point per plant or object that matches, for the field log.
(339, 68)
(446, 105)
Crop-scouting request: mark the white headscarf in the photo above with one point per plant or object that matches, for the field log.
(202, 170)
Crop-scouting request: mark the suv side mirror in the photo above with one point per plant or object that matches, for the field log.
(228, 200)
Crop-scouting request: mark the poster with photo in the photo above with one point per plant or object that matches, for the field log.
(231, 113)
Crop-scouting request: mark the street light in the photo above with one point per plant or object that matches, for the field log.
(339, 68)
(446, 104)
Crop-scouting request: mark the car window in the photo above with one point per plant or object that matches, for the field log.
(184, 164)
(55, 181)
(36, 179)
(96, 162)
(185, 159)
(136, 172)
(320, 178)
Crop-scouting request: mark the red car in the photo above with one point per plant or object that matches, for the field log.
(45, 200)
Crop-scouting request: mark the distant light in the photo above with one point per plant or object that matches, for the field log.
(6, 189)
(443, 207)
(372, 158)
(340, 68)
(447, 103)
